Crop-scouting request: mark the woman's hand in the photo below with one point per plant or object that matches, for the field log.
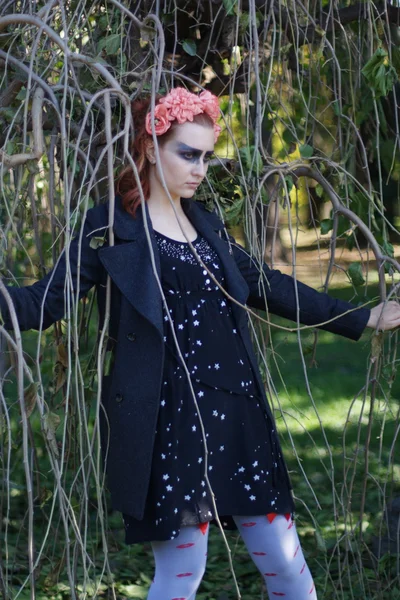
(385, 316)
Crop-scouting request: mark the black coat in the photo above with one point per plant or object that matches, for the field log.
(131, 392)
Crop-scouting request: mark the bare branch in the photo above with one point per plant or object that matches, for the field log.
(37, 133)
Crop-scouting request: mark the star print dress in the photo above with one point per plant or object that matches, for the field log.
(243, 462)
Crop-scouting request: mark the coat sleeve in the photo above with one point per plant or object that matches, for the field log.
(270, 289)
(49, 292)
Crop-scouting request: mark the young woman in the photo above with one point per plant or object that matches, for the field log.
(183, 359)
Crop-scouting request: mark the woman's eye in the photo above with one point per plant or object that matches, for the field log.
(188, 155)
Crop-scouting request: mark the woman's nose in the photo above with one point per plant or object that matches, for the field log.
(200, 168)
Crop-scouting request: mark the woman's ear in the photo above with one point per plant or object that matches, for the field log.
(149, 151)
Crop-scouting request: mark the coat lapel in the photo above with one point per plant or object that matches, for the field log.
(130, 267)
(129, 264)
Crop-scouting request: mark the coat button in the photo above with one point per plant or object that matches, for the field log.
(131, 337)
(118, 398)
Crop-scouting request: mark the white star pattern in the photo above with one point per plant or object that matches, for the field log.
(201, 329)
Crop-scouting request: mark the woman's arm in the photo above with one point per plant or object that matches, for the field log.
(28, 300)
(289, 298)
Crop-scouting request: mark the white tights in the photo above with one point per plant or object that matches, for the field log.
(271, 541)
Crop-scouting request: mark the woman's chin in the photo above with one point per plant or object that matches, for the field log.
(187, 192)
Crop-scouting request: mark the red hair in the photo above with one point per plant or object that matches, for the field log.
(126, 185)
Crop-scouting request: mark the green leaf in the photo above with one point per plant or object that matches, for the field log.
(21, 94)
(113, 43)
(306, 151)
(97, 242)
(247, 157)
(108, 360)
(289, 183)
(355, 274)
(380, 73)
(376, 59)
(230, 6)
(103, 22)
(326, 226)
(233, 213)
(190, 47)
(388, 249)
(336, 108)
(289, 137)
(319, 190)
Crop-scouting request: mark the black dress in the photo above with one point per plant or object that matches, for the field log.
(244, 465)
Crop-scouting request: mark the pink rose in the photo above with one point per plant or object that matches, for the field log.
(182, 105)
(162, 120)
(210, 104)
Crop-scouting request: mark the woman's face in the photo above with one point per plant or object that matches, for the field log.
(184, 160)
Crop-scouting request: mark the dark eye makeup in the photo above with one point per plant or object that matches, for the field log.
(193, 154)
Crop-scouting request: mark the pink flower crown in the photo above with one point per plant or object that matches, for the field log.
(182, 106)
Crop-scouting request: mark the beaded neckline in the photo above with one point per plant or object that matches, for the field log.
(165, 237)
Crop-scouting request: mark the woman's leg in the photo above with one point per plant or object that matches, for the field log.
(180, 564)
(274, 546)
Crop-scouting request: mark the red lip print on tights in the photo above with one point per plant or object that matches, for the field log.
(278, 594)
(184, 574)
(312, 589)
(178, 598)
(251, 524)
(188, 545)
(270, 574)
(259, 553)
(302, 568)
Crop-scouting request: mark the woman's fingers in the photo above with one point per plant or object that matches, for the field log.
(385, 316)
